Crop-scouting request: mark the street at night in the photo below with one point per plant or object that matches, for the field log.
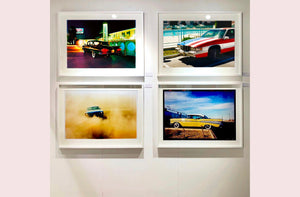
(77, 59)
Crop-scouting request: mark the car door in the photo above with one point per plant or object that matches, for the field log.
(228, 44)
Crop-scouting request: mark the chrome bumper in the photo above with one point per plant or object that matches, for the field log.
(186, 53)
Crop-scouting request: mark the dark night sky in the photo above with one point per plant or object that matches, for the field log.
(93, 27)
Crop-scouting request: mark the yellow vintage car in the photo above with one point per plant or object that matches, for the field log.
(195, 120)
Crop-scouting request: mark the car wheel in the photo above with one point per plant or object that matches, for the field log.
(89, 115)
(176, 125)
(207, 126)
(93, 54)
(213, 53)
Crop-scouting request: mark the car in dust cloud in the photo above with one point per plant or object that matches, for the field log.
(94, 111)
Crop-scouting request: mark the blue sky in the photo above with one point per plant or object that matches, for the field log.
(212, 103)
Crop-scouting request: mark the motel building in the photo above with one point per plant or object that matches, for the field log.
(125, 39)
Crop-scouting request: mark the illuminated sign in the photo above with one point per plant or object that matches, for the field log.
(105, 31)
(79, 30)
(131, 46)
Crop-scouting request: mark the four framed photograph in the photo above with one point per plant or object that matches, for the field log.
(100, 117)
(100, 44)
(105, 44)
(200, 116)
(200, 43)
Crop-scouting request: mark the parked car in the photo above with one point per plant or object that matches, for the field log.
(94, 111)
(96, 47)
(210, 44)
(195, 120)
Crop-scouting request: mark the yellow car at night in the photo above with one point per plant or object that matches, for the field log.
(195, 120)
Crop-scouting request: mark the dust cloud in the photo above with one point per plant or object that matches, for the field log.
(119, 111)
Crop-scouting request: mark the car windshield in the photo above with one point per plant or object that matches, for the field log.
(214, 34)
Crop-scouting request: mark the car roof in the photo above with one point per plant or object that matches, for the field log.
(94, 107)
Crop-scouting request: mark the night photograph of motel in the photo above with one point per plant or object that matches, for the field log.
(101, 44)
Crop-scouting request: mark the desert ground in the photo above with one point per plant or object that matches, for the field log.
(226, 132)
(189, 133)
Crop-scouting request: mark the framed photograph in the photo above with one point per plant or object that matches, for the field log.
(100, 44)
(100, 116)
(200, 116)
(200, 44)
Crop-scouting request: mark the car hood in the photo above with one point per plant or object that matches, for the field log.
(196, 42)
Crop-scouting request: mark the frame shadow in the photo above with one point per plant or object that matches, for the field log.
(201, 152)
(115, 153)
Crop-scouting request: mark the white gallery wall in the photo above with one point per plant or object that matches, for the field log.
(150, 172)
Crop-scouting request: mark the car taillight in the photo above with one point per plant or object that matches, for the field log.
(104, 50)
(119, 49)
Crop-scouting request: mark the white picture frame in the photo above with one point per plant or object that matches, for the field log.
(63, 69)
(135, 91)
(189, 69)
(237, 143)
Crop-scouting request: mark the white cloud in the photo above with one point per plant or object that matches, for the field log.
(195, 101)
(175, 96)
(217, 106)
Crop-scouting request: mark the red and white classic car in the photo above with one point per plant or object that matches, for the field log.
(210, 44)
